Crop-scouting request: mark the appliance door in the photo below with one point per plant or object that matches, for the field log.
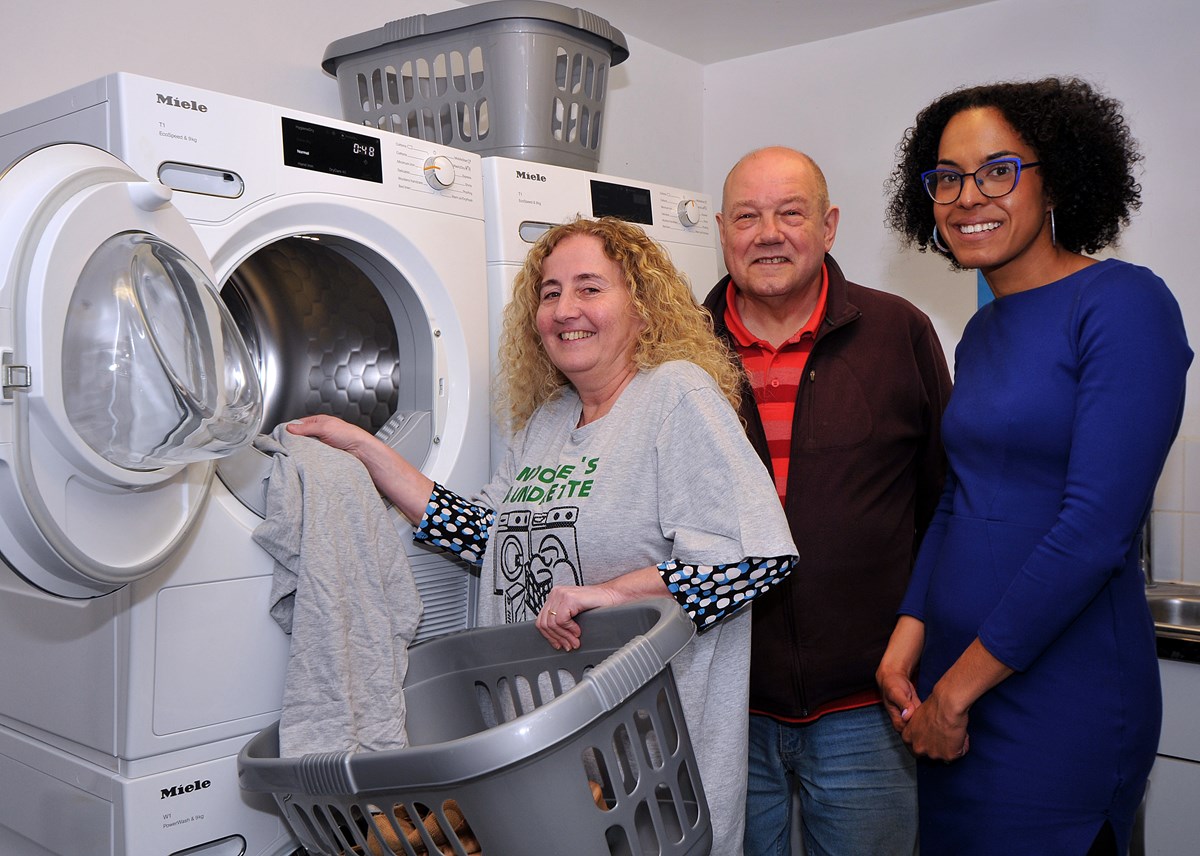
(123, 375)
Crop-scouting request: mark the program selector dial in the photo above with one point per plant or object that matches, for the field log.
(439, 172)
(689, 212)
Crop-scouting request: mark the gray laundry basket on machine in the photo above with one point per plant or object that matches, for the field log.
(580, 753)
(522, 79)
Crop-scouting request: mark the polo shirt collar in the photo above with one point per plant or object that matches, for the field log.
(742, 336)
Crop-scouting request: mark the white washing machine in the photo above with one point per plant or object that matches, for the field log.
(525, 199)
(136, 651)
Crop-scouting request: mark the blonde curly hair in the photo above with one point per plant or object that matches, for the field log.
(675, 326)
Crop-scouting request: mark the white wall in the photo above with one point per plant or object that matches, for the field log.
(847, 101)
(655, 116)
(271, 50)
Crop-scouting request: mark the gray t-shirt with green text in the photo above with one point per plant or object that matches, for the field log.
(666, 473)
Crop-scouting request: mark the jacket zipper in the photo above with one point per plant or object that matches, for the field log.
(804, 399)
(806, 396)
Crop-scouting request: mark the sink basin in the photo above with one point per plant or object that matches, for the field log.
(1175, 609)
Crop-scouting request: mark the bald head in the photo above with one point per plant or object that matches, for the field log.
(776, 160)
(776, 225)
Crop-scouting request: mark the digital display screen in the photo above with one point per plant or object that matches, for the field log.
(310, 146)
(619, 200)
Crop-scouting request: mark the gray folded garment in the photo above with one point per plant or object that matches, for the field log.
(344, 590)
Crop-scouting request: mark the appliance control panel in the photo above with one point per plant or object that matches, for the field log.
(535, 196)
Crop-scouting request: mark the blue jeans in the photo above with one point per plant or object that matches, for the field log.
(857, 785)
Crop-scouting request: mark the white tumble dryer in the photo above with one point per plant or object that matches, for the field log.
(524, 199)
(136, 652)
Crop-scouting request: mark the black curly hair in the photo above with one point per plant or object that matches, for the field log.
(1079, 135)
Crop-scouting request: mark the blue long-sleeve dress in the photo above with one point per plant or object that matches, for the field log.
(1066, 401)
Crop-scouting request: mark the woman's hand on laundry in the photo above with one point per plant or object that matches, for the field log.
(333, 432)
(402, 483)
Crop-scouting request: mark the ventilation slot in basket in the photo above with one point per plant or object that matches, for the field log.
(580, 82)
(377, 832)
(513, 696)
(443, 94)
(646, 784)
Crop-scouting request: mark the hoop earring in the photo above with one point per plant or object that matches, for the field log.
(1053, 236)
(937, 242)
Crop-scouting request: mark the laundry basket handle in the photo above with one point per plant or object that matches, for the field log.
(627, 669)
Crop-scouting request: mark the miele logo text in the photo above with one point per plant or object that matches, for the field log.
(180, 790)
(530, 176)
(172, 101)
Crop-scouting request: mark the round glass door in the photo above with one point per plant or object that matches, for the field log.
(154, 371)
(124, 376)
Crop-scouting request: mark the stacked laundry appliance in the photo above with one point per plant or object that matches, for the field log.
(137, 655)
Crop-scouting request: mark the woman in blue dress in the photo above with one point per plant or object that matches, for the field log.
(1022, 670)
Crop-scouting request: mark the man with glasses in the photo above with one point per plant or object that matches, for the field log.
(847, 387)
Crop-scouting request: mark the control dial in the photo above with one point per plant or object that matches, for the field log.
(689, 212)
(439, 172)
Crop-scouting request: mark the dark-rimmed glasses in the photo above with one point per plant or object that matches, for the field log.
(994, 179)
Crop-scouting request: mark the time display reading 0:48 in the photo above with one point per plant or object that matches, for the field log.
(336, 151)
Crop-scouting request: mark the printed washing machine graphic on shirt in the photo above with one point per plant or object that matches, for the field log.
(536, 548)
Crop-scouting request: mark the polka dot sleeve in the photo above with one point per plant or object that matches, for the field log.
(709, 593)
(455, 525)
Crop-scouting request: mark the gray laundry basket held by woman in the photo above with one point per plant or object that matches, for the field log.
(515, 749)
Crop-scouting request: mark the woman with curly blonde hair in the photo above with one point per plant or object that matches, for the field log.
(658, 292)
(628, 476)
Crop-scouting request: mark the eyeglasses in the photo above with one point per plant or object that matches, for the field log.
(994, 179)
